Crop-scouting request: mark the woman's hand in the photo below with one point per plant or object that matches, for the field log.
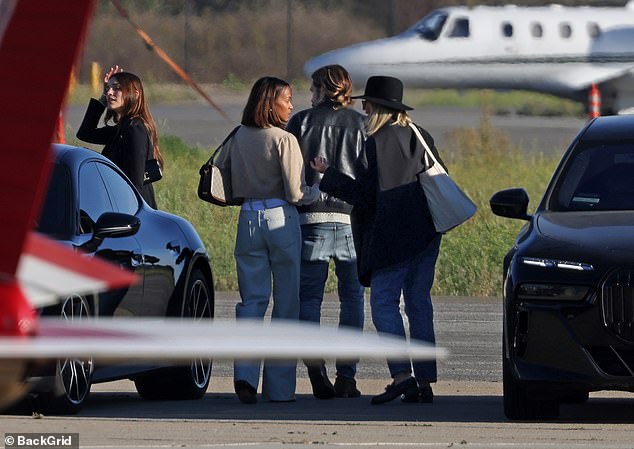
(319, 164)
(113, 70)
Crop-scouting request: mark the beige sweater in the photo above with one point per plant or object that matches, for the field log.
(266, 163)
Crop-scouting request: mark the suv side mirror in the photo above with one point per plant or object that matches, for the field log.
(111, 224)
(510, 203)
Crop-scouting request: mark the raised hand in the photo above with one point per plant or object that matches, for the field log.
(114, 69)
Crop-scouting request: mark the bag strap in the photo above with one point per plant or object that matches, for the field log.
(428, 152)
(213, 156)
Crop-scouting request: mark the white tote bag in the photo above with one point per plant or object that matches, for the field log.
(449, 206)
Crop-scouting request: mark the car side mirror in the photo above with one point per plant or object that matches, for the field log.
(510, 203)
(111, 225)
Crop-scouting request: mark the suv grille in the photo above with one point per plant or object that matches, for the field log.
(617, 303)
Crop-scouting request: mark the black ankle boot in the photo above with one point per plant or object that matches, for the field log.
(322, 387)
(346, 387)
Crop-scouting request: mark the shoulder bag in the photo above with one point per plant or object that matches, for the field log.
(448, 204)
(214, 186)
(153, 171)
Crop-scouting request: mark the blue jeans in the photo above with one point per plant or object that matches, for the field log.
(414, 278)
(322, 242)
(268, 243)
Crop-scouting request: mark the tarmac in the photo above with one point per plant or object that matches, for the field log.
(467, 409)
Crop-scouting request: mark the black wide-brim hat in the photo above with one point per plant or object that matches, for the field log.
(386, 91)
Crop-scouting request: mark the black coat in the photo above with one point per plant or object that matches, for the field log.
(127, 144)
(391, 222)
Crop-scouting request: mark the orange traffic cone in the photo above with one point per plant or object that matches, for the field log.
(594, 102)
(59, 129)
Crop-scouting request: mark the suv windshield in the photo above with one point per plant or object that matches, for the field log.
(596, 177)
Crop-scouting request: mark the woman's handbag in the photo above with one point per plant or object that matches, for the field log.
(449, 206)
(152, 171)
(214, 185)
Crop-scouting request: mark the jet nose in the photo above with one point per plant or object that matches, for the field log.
(319, 61)
(359, 59)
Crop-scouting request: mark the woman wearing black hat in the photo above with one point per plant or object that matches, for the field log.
(395, 239)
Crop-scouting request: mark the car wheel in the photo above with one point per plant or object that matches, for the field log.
(191, 381)
(73, 377)
(518, 404)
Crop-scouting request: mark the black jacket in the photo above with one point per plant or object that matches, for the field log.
(127, 144)
(391, 222)
(338, 136)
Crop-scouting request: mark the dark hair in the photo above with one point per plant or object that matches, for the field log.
(135, 106)
(259, 111)
(335, 83)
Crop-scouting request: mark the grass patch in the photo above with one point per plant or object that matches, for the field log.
(483, 161)
(500, 102)
(470, 261)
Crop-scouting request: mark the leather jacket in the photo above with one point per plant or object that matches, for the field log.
(338, 135)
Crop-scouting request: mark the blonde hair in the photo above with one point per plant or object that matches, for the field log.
(381, 115)
(334, 83)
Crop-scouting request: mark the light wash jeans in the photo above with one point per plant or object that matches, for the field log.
(268, 242)
(322, 242)
(414, 278)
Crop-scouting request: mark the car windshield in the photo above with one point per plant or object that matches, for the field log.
(55, 217)
(596, 177)
(430, 26)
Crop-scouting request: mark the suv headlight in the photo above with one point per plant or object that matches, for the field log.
(553, 263)
(552, 292)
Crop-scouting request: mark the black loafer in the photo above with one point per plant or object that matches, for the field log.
(411, 395)
(394, 390)
(246, 393)
(426, 395)
(322, 387)
(346, 387)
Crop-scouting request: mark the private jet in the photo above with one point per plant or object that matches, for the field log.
(36, 271)
(558, 50)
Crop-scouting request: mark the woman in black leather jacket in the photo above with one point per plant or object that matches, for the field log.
(334, 130)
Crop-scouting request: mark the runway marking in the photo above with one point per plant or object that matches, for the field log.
(447, 444)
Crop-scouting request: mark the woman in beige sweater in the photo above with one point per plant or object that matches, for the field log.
(267, 173)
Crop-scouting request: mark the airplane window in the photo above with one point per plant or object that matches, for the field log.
(594, 30)
(565, 30)
(507, 29)
(460, 28)
(430, 26)
(537, 30)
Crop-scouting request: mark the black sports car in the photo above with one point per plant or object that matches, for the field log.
(569, 278)
(92, 206)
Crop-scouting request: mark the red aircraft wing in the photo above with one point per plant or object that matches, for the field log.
(38, 46)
